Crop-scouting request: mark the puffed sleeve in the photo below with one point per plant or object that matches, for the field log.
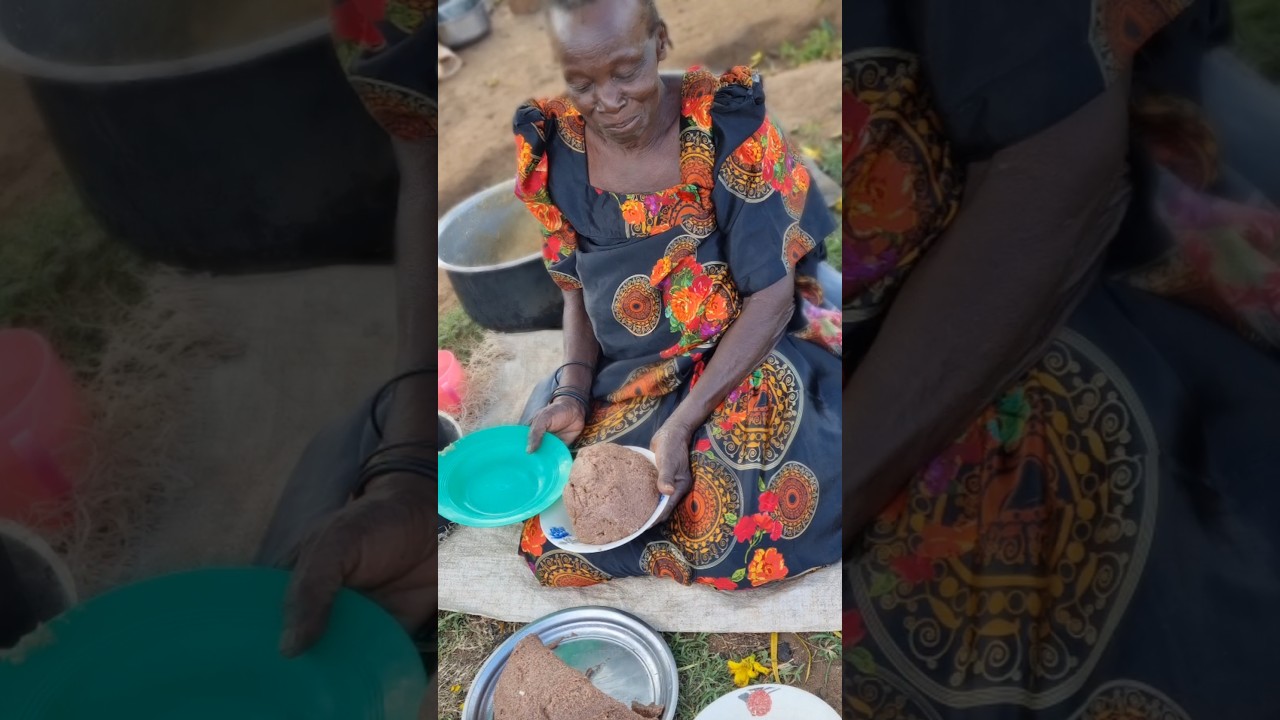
(774, 220)
(532, 125)
(383, 48)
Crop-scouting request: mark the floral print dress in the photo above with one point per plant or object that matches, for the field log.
(1100, 543)
(663, 276)
(382, 46)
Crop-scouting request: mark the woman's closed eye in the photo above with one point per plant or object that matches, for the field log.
(630, 74)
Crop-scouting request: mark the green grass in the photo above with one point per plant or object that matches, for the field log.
(60, 275)
(834, 250)
(826, 152)
(704, 676)
(822, 43)
(456, 331)
(1257, 29)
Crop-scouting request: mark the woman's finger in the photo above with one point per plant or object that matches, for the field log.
(314, 586)
(537, 429)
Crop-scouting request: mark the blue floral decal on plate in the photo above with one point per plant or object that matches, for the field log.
(559, 533)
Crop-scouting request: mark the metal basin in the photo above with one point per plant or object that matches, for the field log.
(461, 22)
(215, 148)
(500, 286)
(448, 431)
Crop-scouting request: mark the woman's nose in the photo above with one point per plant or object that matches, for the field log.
(609, 99)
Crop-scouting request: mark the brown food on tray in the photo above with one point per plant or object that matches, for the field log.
(537, 685)
(612, 492)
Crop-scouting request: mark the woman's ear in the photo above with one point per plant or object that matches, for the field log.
(664, 40)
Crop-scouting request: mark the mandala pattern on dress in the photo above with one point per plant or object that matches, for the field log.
(565, 281)
(882, 696)
(901, 188)
(559, 568)
(609, 420)
(637, 305)
(1008, 562)
(681, 247)
(796, 488)
(663, 559)
(796, 244)
(1129, 700)
(756, 423)
(404, 113)
(702, 525)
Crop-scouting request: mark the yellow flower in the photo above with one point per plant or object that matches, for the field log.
(455, 689)
(746, 670)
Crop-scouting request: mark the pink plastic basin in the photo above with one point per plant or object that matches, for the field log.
(451, 383)
(41, 421)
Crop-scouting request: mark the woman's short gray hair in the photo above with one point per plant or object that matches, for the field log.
(650, 10)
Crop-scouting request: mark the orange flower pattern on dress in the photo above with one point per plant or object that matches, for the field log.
(767, 566)
(723, 584)
(882, 197)
(687, 289)
(559, 239)
(532, 538)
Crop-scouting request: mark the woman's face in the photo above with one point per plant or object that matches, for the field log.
(610, 60)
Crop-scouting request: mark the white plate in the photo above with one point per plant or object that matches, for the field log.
(772, 702)
(558, 529)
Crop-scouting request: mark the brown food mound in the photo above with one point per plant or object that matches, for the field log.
(537, 685)
(612, 491)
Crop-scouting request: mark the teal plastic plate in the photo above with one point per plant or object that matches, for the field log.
(488, 480)
(203, 645)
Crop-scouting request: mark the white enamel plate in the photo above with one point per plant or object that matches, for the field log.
(558, 529)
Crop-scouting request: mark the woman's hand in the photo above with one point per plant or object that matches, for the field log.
(564, 417)
(670, 446)
(383, 544)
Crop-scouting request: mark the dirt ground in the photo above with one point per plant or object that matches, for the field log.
(514, 63)
(29, 167)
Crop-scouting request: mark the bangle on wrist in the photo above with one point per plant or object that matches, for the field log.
(590, 368)
(572, 393)
(384, 390)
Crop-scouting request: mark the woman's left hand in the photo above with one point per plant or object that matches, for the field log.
(670, 446)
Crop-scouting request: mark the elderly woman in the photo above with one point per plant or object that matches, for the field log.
(1062, 415)
(683, 231)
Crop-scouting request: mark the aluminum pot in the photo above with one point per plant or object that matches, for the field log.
(448, 431)
(461, 22)
(505, 295)
(246, 155)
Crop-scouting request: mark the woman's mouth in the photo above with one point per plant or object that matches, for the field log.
(624, 125)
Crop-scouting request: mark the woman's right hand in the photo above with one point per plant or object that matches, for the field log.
(564, 417)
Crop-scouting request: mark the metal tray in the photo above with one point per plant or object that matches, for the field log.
(631, 660)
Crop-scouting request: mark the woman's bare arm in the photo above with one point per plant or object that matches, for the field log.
(566, 416)
(580, 344)
(1035, 219)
